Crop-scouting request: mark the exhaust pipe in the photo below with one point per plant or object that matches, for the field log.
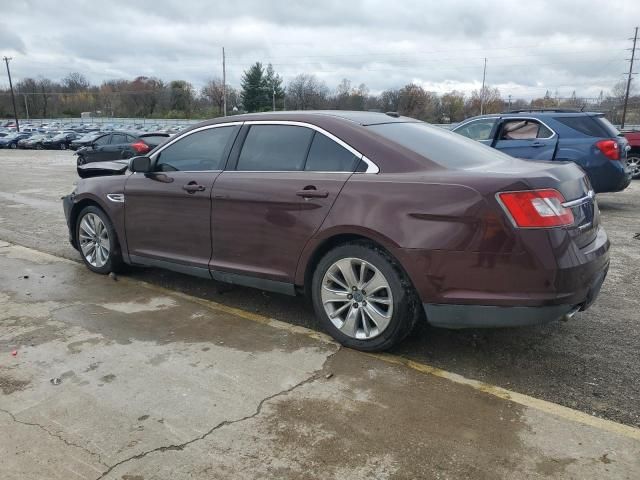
(570, 314)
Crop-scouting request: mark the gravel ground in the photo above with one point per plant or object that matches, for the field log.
(590, 363)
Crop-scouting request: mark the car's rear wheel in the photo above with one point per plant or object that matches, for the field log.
(63, 146)
(633, 163)
(97, 241)
(13, 145)
(363, 298)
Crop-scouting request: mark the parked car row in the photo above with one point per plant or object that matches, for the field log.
(91, 147)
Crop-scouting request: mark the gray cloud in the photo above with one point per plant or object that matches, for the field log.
(556, 45)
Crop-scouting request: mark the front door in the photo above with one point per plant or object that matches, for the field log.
(168, 211)
(281, 185)
(526, 138)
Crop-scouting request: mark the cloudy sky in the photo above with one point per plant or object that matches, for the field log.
(531, 46)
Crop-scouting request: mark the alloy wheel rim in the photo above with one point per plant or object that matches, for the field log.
(94, 240)
(357, 298)
(633, 163)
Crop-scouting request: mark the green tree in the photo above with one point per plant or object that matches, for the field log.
(273, 84)
(255, 96)
(181, 96)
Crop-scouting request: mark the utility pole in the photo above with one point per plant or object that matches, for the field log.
(274, 98)
(26, 105)
(626, 95)
(224, 84)
(509, 101)
(484, 76)
(13, 98)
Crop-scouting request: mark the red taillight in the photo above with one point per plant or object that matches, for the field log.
(536, 208)
(609, 148)
(140, 147)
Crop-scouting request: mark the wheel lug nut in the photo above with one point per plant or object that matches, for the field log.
(353, 288)
(349, 296)
(355, 305)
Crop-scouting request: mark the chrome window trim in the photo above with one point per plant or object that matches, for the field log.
(554, 134)
(371, 166)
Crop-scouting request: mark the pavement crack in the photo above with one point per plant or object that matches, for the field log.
(312, 378)
(56, 435)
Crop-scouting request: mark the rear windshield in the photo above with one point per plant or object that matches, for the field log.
(590, 126)
(441, 146)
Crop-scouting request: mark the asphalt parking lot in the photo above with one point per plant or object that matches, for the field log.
(590, 363)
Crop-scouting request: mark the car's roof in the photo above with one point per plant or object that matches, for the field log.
(534, 114)
(358, 117)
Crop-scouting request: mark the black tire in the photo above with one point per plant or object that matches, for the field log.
(406, 305)
(13, 146)
(114, 262)
(63, 146)
(81, 160)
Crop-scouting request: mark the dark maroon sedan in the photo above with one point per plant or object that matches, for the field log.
(383, 220)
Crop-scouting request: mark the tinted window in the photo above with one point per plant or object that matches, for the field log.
(118, 138)
(439, 145)
(478, 129)
(523, 130)
(203, 150)
(587, 125)
(275, 148)
(102, 140)
(326, 155)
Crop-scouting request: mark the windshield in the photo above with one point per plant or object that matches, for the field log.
(439, 145)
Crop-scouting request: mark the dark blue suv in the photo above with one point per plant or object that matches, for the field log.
(585, 138)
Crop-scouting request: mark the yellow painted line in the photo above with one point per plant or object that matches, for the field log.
(499, 392)
(544, 406)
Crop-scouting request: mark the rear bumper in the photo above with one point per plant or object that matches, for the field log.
(610, 177)
(489, 316)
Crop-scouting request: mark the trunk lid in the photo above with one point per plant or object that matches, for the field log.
(565, 177)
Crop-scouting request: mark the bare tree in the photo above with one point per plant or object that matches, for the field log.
(306, 92)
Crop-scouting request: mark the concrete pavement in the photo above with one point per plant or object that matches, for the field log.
(160, 385)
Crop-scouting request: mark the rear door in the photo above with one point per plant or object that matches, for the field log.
(280, 185)
(95, 152)
(115, 148)
(168, 211)
(526, 138)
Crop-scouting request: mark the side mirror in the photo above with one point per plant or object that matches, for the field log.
(140, 164)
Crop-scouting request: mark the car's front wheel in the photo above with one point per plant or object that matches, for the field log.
(363, 298)
(633, 163)
(63, 146)
(13, 145)
(81, 160)
(97, 241)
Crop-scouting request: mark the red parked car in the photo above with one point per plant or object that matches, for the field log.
(383, 220)
(633, 156)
